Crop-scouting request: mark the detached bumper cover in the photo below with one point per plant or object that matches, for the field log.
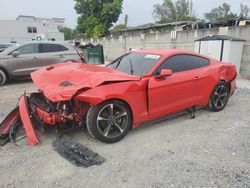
(27, 124)
(10, 120)
(19, 113)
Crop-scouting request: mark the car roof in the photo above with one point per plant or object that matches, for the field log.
(45, 42)
(167, 52)
(164, 52)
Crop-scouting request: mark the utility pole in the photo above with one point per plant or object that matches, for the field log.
(125, 37)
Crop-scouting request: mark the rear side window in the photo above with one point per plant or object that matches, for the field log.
(47, 48)
(180, 63)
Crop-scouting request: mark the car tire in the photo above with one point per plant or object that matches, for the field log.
(219, 97)
(3, 77)
(109, 121)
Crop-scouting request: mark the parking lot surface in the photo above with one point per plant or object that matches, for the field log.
(212, 150)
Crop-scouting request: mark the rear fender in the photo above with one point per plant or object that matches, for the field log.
(227, 72)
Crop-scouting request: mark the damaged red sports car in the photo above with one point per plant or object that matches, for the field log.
(136, 88)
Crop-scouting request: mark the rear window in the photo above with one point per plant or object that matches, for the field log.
(47, 48)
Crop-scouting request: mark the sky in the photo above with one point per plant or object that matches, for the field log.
(139, 11)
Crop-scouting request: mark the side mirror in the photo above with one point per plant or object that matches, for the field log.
(15, 53)
(166, 72)
(146, 76)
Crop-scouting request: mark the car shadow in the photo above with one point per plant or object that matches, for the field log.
(172, 119)
(20, 81)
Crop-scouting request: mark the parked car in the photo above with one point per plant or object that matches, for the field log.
(5, 46)
(19, 61)
(139, 87)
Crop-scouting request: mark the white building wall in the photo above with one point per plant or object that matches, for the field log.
(234, 53)
(114, 47)
(17, 30)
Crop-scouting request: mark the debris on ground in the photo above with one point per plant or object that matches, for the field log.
(76, 153)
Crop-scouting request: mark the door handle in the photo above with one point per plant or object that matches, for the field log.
(35, 58)
(196, 77)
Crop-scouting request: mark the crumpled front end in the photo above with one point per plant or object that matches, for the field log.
(35, 112)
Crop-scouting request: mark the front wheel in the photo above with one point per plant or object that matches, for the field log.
(109, 121)
(219, 97)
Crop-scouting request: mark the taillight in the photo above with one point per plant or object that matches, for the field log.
(81, 54)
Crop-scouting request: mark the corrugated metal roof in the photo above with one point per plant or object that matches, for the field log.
(156, 25)
(219, 37)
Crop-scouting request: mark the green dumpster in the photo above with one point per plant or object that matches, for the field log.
(94, 55)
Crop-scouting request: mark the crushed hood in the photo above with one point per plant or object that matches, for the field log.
(62, 81)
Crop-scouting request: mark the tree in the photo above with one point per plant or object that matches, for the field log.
(244, 11)
(68, 33)
(97, 16)
(220, 14)
(118, 27)
(181, 10)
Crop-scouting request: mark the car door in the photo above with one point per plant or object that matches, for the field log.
(56, 53)
(179, 91)
(25, 62)
(50, 54)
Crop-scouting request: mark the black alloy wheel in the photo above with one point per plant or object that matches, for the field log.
(219, 97)
(109, 121)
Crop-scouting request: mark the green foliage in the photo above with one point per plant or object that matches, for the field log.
(118, 27)
(244, 11)
(68, 33)
(220, 14)
(181, 10)
(97, 16)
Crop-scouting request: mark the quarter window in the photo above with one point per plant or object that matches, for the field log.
(46, 48)
(180, 63)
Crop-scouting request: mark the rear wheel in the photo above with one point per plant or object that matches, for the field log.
(3, 77)
(109, 121)
(219, 97)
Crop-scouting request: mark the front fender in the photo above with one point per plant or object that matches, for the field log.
(132, 92)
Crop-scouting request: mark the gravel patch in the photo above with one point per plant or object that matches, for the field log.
(212, 150)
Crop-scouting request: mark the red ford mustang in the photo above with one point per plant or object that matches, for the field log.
(137, 87)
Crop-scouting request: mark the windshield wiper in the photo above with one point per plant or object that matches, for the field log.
(131, 67)
(118, 64)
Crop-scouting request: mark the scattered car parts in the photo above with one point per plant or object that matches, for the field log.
(76, 153)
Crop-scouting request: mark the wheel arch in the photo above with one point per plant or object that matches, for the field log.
(121, 100)
(227, 82)
(5, 71)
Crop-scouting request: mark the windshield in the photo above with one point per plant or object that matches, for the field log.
(135, 63)
(10, 49)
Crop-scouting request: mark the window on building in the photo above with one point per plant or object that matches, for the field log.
(32, 29)
(29, 29)
(180, 63)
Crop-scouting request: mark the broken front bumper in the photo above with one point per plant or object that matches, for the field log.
(26, 121)
(19, 114)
